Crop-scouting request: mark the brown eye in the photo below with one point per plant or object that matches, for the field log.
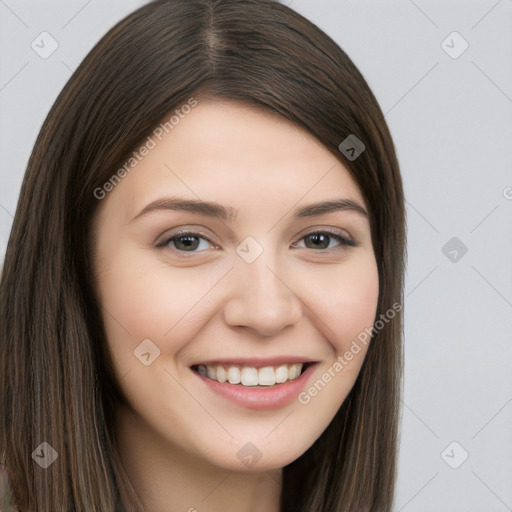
(321, 240)
(184, 242)
(318, 240)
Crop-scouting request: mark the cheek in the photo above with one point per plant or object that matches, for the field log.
(143, 299)
(345, 310)
(344, 299)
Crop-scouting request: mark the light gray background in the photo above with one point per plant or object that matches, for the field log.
(451, 122)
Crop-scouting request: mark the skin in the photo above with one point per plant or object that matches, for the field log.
(179, 440)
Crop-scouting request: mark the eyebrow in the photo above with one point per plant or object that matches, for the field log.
(228, 213)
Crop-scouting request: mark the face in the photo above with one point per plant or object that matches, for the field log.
(259, 286)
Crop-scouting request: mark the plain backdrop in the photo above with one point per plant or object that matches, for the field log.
(442, 73)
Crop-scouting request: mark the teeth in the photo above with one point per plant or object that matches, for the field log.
(233, 375)
(266, 376)
(250, 376)
(294, 371)
(281, 374)
(222, 376)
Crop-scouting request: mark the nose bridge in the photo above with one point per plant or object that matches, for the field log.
(260, 297)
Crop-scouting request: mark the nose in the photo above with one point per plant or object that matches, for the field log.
(261, 299)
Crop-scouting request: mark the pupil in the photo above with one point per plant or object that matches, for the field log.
(319, 236)
(189, 241)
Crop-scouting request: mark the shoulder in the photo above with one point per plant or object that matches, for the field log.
(6, 498)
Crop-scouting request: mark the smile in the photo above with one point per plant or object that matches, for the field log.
(251, 376)
(256, 383)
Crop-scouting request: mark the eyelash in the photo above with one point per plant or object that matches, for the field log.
(343, 240)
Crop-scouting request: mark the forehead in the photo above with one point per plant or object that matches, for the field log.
(235, 155)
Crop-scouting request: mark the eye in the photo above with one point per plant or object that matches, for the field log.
(190, 241)
(185, 241)
(321, 240)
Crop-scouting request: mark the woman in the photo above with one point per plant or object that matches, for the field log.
(261, 372)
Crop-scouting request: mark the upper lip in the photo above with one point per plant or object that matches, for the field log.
(256, 362)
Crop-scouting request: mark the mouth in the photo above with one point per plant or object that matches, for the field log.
(260, 375)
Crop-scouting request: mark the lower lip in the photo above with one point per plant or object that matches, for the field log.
(272, 397)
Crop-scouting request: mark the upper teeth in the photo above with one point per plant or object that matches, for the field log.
(250, 376)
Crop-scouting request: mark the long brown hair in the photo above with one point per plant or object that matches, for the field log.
(55, 373)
